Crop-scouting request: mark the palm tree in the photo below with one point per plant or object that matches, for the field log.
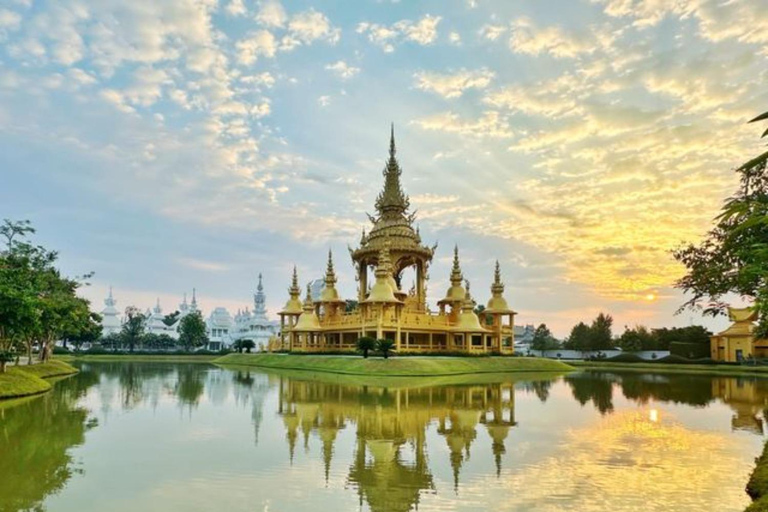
(385, 347)
(365, 345)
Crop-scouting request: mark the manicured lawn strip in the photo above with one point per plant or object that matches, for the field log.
(710, 369)
(396, 367)
(50, 369)
(30, 380)
(164, 358)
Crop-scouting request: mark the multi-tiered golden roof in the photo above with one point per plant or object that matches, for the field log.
(382, 309)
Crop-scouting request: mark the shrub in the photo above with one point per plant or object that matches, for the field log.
(97, 351)
(365, 344)
(385, 347)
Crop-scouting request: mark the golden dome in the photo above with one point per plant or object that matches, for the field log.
(382, 291)
(497, 303)
(308, 320)
(329, 293)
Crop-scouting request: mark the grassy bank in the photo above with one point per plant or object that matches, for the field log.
(757, 487)
(701, 369)
(396, 367)
(164, 358)
(20, 381)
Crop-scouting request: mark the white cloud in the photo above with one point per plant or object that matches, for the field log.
(423, 32)
(453, 85)
(309, 26)
(489, 124)
(492, 32)
(236, 8)
(9, 20)
(530, 39)
(324, 101)
(257, 44)
(342, 69)
(81, 77)
(454, 38)
(272, 14)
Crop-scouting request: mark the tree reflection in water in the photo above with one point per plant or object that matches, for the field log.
(35, 438)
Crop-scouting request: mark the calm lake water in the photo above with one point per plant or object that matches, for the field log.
(159, 437)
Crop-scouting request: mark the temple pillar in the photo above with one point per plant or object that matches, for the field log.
(363, 280)
(420, 283)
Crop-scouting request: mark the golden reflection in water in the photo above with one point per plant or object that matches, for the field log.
(390, 468)
(632, 460)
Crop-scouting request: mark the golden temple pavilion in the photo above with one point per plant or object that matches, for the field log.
(382, 310)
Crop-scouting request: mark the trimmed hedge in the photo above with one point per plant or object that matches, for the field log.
(626, 358)
(689, 350)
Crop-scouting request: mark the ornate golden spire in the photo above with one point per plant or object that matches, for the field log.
(293, 306)
(455, 293)
(329, 293)
(308, 302)
(497, 288)
(497, 303)
(330, 274)
(392, 200)
(294, 289)
(456, 275)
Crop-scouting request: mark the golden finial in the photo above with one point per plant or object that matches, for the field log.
(456, 276)
(497, 288)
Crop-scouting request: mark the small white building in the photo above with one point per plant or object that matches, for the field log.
(110, 317)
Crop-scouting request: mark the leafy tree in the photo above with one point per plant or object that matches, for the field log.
(733, 258)
(89, 331)
(600, 335)
(365, 344)
(689, 334)
(579, 338)
(542, 339)
(10, 230)
(38, 306)
(350, 305)
(385, 346)
(248, 345)
(171, 318)
(133, 327)
(113, 340)
(637, 339)
(192, 331)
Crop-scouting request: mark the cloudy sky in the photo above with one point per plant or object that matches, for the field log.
(195, 143)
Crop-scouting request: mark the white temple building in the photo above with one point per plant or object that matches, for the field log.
(223, 329)
(254, 325)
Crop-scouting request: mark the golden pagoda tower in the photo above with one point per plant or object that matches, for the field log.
(498, 310)
(391, 246)
(305, 332)
(291, 311)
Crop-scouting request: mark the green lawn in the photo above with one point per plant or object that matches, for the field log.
(20, 381)
(396, 367)
(165, 358)
(711, 369)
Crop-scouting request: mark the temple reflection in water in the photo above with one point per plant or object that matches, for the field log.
(390, 467)
(390, 444)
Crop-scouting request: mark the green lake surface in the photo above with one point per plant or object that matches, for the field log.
(194, 437)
